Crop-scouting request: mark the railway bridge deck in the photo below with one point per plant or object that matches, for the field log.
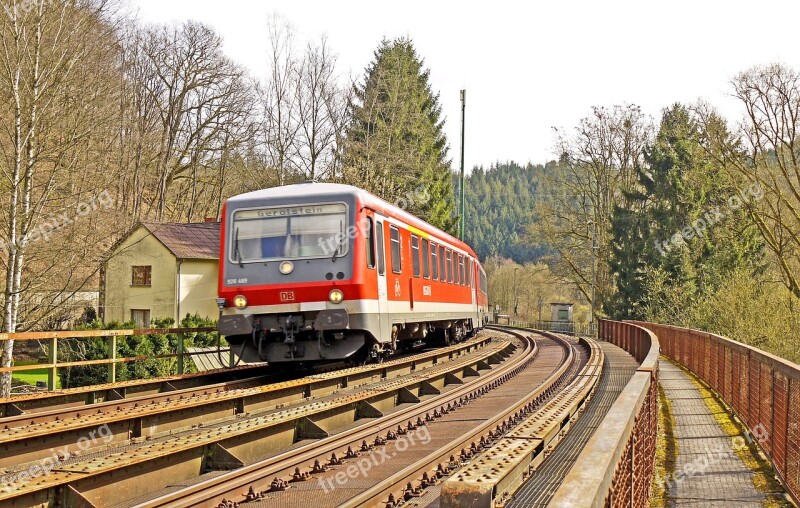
(513, 418)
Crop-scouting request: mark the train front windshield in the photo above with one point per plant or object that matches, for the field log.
(295, 232)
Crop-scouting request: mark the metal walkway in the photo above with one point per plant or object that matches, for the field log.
(708, 470)
(618, 368)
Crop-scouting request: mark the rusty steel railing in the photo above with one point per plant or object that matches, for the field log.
(761, 389)
(110, 336)
(615, 468)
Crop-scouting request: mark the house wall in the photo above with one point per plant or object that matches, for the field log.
(199, 287)
(140, 248)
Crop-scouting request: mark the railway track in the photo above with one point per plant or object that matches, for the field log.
(409, 432)
(376, 469)
(294, 410)
(29, 437)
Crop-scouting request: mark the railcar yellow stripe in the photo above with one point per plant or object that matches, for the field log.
(418, 232)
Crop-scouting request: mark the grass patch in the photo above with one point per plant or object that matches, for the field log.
(32, 376)
(666, 451)
(764, 476)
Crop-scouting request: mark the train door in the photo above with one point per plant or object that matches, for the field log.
(383, 295)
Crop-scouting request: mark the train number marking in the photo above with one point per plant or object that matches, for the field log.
(232, 282)
(397, 287)
(287, 296)
(426, 290)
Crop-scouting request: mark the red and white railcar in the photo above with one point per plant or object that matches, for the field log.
(320, 272)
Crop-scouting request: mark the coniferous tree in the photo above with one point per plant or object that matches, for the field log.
(499, 206)
(678, 221)
(395, 144)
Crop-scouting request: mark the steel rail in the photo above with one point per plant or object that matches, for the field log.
(377, 495)
(69, 479)
(211, 492)
(26, 438)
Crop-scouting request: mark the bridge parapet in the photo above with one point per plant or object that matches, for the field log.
(763, 390)
(615, 467)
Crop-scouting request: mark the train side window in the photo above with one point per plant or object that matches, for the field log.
(473, 267)
(463, 265)
(394, 236)
(470, 275)
(458, 264)
(449, 266)
(434, 263)
(426, 259)
(415, 254)
(442, 261)
(370, 242)
(381, 250)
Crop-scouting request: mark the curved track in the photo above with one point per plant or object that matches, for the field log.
(369, 436)
(494, 400)
(234, 425)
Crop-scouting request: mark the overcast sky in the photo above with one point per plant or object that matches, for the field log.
(527, 66)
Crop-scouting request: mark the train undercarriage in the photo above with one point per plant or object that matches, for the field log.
(333, 336)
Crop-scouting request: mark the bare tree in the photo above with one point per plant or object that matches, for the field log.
(596, 165)
(316, 111)
(302, 111)
(278, 100)
(57, 65)
(763, 158)
(194, 89)
(139, 127)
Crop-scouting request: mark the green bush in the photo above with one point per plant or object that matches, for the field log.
(132, 346)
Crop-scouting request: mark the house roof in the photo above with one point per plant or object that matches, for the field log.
(187, 241)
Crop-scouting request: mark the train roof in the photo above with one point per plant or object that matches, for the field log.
(307, 190)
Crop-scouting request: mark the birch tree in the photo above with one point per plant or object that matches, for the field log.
(57, 71)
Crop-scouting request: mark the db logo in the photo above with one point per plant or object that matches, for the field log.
(287, 296)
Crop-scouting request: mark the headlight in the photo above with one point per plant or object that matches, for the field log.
(336, 296)
(240, 302)
(286, 267)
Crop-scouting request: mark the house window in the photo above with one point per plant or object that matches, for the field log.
(141, 317)
(415, 254)
(140, 275)
(394, 237)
